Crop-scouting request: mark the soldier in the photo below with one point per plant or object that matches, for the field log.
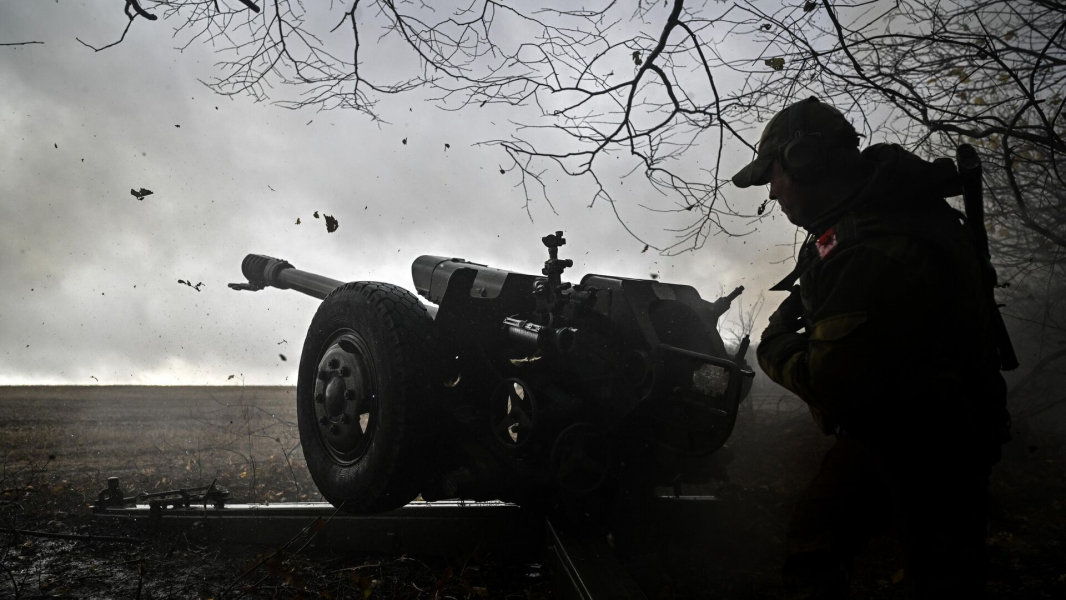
(888, 339)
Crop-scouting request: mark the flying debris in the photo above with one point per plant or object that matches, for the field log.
(645, 249)
(316, 214)
(283, 342)
(404, 141)
(297, 220)
(331, 224)
(230, 377)
(141, 193)
(282, 357)
(189, 283)
(776, 63)
(94, 377)
(762, 207)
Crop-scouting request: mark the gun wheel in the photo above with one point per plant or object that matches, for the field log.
(363, 396)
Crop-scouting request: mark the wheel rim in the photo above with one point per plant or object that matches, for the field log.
(345, 400)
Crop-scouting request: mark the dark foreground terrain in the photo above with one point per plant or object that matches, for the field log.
(60, 444)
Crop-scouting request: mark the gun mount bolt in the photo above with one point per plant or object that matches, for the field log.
(349, 395)
(346, 371)
(320, 398)
(334, 363)
(334, 429)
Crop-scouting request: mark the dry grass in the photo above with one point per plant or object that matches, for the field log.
(156, 438)
(61, 443)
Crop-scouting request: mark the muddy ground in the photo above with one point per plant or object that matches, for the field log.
(61, 443)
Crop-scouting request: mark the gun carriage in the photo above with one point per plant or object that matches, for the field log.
(505, 385)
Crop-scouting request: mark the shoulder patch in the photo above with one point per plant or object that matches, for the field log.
(826, 242)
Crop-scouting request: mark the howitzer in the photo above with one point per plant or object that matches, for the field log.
(507, 386)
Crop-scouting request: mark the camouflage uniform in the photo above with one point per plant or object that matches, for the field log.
(897, 359)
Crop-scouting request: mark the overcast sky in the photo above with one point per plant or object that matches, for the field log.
(88, 274)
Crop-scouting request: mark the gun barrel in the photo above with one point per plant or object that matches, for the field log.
(266, 271)
(970, 171)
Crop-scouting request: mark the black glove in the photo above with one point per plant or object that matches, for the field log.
(788, 318)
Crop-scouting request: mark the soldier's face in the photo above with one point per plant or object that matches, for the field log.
(799, 202)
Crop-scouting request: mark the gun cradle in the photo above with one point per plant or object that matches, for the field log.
(513, 386)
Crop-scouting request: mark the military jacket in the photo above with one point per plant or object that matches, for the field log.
(898, 331)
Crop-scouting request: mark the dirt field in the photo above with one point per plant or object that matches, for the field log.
(61, 443)
(156, 438)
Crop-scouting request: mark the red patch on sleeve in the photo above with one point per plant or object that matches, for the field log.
(826, 242)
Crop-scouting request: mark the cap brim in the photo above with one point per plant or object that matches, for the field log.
(756, 173)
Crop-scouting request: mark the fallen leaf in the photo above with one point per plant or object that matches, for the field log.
(316, 214)
(645, 249)
(331, 224)
(636, 58)
(898, 576)
(809, 6)
(297, 220)
(765, 27)
(776, 64)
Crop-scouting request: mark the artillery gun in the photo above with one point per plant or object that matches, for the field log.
(509, 386)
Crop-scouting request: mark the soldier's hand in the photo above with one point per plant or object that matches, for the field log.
(788, 318)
